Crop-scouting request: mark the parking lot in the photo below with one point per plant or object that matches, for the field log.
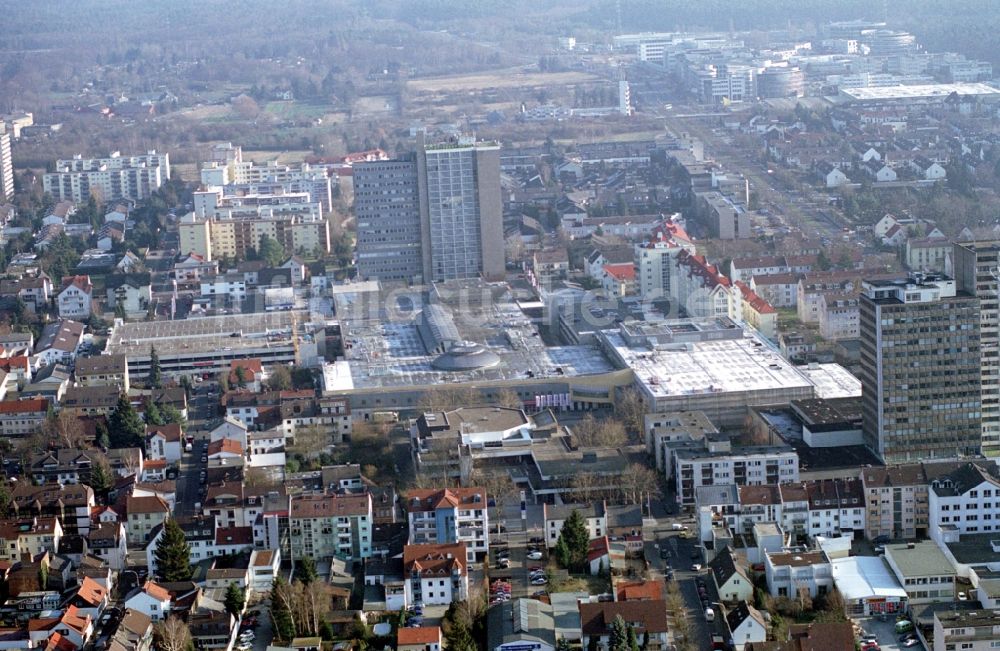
(888, 639)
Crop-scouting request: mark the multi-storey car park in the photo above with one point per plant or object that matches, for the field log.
(208, 344)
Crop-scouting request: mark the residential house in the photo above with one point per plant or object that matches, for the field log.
(129, 293)
(246, 374)
(831, 175)
(31, 536)
(107, 542)
(435, 574)
(836, 508)
(152, 600)
(76, 298)
(62, 466)
(928, 169)
(969, 630)
(19, 418)
(746, 625)
(780, 289)
(619, 280)
(144, 514)
(34, 291)
(419, 638)
(59, 343)
(550, 264)
(71, 504)
(91, 400)
(164, 442)
(264, 567)
(839, 316)
(135, 631)
(450, 515)
(929, 254)
(554, 516)
(103, 370)
(298, 268)
(731, 579)
(791, 573)
(90, 598)
(647, 618)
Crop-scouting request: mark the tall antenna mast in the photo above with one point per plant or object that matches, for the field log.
(618, 16)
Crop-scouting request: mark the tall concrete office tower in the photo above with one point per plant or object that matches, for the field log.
(920, 369)
(977, 271)
(461, 213)
(387, 210)
(442, 203)
(6, 168)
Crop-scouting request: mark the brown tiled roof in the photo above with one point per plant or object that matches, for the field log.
(151, 504)
(420, 500)
(434, 560)
(91, 591)
(650, 616)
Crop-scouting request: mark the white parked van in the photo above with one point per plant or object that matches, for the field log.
(709, 615)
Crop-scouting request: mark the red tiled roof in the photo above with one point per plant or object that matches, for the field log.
(91, 591)
(621, 270)
(31, 405)
(225, 445)
(73, 619)
(418, 635)
(597, 548)
(640, 590)
(433, 499)
(755, 300)
(252, 368)
(156, 591)
(434, 560)
(80, 282)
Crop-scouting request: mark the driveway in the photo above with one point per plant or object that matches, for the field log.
(264, 632)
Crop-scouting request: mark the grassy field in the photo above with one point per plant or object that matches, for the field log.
(512, 78)
(294, 110)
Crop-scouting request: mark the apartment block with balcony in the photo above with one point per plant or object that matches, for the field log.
(743, 466)
(964, 501)
(324, 526)
(791, 573)
(449, 515)
(435, 574)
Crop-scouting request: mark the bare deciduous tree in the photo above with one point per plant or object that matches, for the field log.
(636, 482)
(509, 398)
(607, 432)
(447, 397)
(172, 635)
(66, 429)
(631, 409)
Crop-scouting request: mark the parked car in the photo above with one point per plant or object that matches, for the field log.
(696, 567)
(910, 642)
(664, 554)
(962, 596)
(538, 540)
(534, 555)
(539, 580)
